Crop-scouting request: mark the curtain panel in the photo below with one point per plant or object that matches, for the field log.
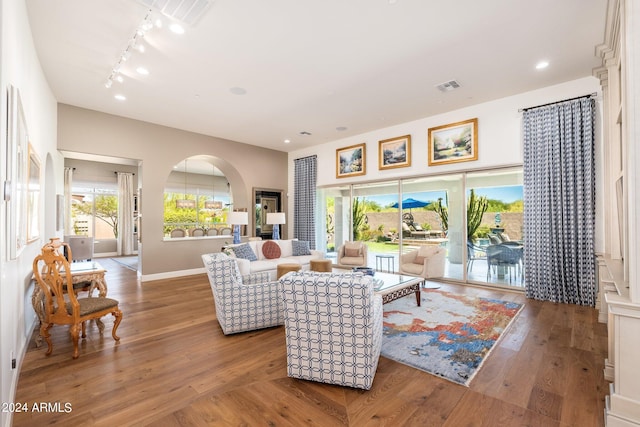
(559, 202)
(125, 214)
(304, 201)
(68, 183)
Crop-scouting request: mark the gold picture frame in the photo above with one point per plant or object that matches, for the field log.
(351, 161)
(453, 143)
(394, 152)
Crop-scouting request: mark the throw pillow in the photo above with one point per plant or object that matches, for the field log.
(300, 248)
(351, 252)
(353, 249)
(271, 250)
(245, 251)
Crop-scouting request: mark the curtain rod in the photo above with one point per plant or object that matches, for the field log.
(591, 95)
(308, 157)
(116, 172)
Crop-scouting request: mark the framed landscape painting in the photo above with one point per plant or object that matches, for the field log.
(351, 161)
(453, 143)
(394, 152)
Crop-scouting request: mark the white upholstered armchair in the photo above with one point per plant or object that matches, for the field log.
(428, 262)
(333, 326)
(243, 303)
(352, 254)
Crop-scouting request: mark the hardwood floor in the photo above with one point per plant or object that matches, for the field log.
(174, 367)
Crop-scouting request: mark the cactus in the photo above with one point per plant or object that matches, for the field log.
(359, 217)
(476, 207)
(444, 215)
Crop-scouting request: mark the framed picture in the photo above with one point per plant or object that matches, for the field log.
(16, 173)
(33, 196)
(351, 161)
(453, 143)
(394, 152)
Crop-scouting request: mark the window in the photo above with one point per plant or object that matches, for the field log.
(94, 210)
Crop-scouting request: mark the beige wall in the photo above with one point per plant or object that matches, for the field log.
(158, 149)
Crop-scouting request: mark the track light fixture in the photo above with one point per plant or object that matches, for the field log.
(134, 43)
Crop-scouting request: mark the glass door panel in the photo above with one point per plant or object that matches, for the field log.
(495, 242)
(376, 222)
(432, 215)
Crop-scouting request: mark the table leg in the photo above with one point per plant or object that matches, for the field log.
(418, 299)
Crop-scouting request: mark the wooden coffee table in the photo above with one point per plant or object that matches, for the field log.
(393, 286)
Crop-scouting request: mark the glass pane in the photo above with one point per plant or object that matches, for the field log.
(432, 215)
(375, 222)
(95, 214)
(495, 211)
(334, 202)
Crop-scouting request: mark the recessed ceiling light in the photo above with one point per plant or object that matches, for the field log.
(341, 128)
(541, 65)
(120, 97)
(238, 91)
(177, 28)
(143, 71)
(286, 141)
(304, 132)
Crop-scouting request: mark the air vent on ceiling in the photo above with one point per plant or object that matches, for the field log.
(185, 11)
(448, 86)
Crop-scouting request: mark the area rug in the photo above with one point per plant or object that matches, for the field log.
(450, 335)
(130, 262)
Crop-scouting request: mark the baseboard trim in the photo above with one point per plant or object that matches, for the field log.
(171, 274)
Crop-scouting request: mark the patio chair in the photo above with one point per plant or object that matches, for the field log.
(505, 257)
(474, 253)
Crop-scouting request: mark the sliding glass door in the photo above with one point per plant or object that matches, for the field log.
(476, 216)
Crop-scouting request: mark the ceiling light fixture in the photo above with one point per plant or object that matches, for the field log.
(143, 71)
(134, 43)
(120, 97)
(176, 28)
(542, 65)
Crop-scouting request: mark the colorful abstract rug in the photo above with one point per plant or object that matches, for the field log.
(450, 335)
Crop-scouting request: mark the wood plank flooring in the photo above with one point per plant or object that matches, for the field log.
(174, 367)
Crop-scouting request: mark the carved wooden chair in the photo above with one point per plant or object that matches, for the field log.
(61, 305)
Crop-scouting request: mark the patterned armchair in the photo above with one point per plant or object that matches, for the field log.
(243, 303)
(333, 326)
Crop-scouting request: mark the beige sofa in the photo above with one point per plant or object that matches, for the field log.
(270, 264)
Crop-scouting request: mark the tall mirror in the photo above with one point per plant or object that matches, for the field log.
(265, 201)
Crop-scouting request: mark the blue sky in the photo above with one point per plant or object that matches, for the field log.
(507, 194)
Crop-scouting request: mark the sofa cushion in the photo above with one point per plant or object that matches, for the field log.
(245, 251)
(271, 250)
(300, 248)
(286, 249)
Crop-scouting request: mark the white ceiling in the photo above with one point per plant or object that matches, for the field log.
(312, 66)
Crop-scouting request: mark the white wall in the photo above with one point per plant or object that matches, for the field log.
(19, 67)
(499, 141)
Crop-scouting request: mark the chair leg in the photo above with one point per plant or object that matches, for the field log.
(44, 333)
(75, 337)
(84, 330)
(118, 315)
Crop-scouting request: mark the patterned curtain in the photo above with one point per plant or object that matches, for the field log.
(559, 202)
(304, 201)
(125, 213)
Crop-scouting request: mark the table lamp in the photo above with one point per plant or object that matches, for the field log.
(276, 218)
(237, 219)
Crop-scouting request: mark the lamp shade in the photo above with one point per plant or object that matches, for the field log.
(238, 218)
(276, 218)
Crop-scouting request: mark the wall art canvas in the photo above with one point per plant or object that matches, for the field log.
(453, 143)
(351, 161)
(394, 152)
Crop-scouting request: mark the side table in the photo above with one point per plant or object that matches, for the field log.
(391, 263)
(321, 265)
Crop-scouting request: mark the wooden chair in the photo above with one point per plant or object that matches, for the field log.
(178, 232)
(197, 232)
(212, 231)
(53, 275)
